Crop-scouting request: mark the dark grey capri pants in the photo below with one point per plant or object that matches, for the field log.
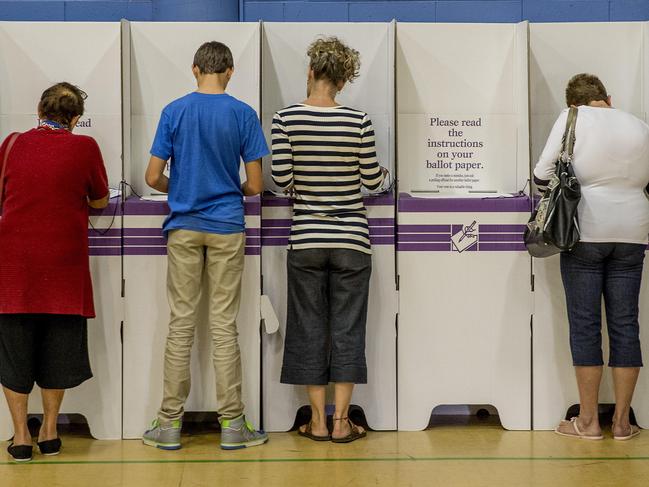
(326, 316)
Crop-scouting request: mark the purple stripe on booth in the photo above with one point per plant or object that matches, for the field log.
(252, 208)
(253, 241)
(103, 251)
(253, 232)
(382, 200)
(161, 250)
(274, 241)
(104, 232)
(424, 247)
(276, 232)
(382, 240)
(485, 228)
(137, 207)
(135, 241)
(380, 222)
(424, 229)
(143, 232)
(410, 204)
(501, 237)
(104, 241)
(423, 237)
(381, 230)
(507, 247)
(272, 222)
(270, 201)
(253, 250)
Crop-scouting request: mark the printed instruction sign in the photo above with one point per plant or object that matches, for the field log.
(458, 154)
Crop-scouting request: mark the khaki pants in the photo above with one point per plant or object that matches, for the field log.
(222, 257)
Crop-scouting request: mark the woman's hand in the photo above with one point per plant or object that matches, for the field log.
(290, 191)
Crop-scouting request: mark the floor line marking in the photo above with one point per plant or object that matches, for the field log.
(329, 460)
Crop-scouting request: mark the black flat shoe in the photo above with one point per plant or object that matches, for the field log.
(20, 453)
(50, 447)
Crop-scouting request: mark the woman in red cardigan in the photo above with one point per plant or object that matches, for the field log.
(50, 179)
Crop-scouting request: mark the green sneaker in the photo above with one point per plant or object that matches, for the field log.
(238, 433)
(163, 436)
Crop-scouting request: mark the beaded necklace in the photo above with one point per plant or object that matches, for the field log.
(51, 125)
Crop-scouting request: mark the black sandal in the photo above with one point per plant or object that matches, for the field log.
(50, 447)
(354, 434)
(308, 434)
(20, 453)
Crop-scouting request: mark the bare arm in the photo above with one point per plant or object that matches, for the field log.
(254, 184)
(155, 177)
(100, 203)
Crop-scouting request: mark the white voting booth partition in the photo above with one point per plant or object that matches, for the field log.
(464, 275)
(616, 52)
(34, 56)
(284, 72)
(161, 55)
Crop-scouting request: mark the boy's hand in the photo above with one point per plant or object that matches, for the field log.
(155, 177)
(254, 184)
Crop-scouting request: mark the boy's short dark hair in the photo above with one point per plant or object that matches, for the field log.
(213, 57)
(584, 88)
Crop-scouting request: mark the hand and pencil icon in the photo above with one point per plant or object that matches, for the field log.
(466, 237)
(468, 231)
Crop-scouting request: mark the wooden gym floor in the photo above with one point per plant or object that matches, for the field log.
(446, 455)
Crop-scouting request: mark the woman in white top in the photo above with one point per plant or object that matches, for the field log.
(611, 162)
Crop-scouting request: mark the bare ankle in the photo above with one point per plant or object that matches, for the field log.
(589, 424)
(23, 438)
(47, 433)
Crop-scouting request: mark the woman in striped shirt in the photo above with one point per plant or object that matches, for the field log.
(323, 153)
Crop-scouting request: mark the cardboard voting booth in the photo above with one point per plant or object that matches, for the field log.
(464, 275)
(284, 72)
(616, 53)
(161, 56)
(34, 56)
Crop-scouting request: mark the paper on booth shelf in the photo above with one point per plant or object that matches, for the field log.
(155, 197)
(271, 322)
(486, 195)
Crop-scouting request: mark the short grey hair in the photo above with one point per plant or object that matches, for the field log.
(213, 57)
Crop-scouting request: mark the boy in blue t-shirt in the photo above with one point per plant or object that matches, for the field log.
(204, 135)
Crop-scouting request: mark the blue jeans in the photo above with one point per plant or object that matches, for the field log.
(612, 270)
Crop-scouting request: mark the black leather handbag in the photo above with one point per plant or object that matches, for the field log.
(554, 225)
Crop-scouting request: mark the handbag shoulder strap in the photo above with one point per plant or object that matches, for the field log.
(569, 134)
(5, 158)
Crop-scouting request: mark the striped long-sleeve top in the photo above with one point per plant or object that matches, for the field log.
(325, 155)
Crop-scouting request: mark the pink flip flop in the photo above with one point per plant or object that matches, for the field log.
(577, 433)
(635, 431)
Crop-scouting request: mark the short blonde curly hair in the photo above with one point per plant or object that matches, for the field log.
(333, 60)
